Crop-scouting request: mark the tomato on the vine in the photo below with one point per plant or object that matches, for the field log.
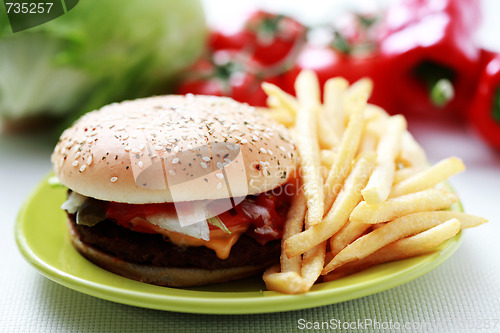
(273, 36)
(227, 73)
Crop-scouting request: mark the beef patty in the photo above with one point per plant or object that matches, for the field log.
(153, 249)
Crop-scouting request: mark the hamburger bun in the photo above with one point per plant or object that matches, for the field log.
(123, 152)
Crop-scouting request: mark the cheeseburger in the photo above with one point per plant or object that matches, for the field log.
(177, 190)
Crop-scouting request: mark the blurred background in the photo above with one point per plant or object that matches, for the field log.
(434, 61)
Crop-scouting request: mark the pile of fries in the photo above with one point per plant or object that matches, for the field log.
(367, 193)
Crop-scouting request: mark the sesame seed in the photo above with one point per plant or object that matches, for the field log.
(89, 160)
(127, 149)
(89, 140)
(135, 151)
(220, 165)
(263, 150)
(140, 164)
(141, 147)
(175, 160)
(236, 146)
(176, 149)
(219, 186)
(229, 147)
(125, 137)
(244, 141)
(269, 152)
(251, 182)
(171, 172)
(113, 179)
(255, 138)
(75, 163)
(158, 147)
(206, 159)
(93, 133)
(77, 154)
(227, 160)
(204, 165)
(219, 175)
(83, 167)
(282, 148)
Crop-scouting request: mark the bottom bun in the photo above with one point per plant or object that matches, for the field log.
(163, 276)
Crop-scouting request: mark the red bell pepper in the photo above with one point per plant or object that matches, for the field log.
(434, 59)
(484, 113)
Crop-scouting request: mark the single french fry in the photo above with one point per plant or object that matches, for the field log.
(345, 152)
(348, 198)
(429, 177)
(361, 87)
(327, 139)
(399, 228)
(418, 244)
(348, 234)
(273, 102)
(281, 115)
(411, 153)
(293, 225)
(327, 158)
(368, 142)
(379, 186)
(374, 112)
(307, 88)
(312, 264)
(287, 282)
(334, 90)
(426, 200)
(405, 173)
(281, 98)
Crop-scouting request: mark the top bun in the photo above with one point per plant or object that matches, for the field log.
(174, 148)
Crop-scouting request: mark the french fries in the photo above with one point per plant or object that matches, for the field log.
(367, 194)
(411, 154)
(379, 186)
(429, 177)
(293, 225)
(334, 91)
(426, 200)
(408, 247)
(397, 229)
(348, 198)
(346, 151)
(307, 144)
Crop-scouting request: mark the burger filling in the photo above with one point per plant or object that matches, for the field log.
(260, 217)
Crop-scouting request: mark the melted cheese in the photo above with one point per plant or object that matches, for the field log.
(220, 241)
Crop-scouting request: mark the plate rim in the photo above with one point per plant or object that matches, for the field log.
(319, 296)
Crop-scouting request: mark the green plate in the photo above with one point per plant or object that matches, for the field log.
(42, 237)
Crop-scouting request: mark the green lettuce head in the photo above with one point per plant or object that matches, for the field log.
(97, 53)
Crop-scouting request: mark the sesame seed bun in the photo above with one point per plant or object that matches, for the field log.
(174, 148)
